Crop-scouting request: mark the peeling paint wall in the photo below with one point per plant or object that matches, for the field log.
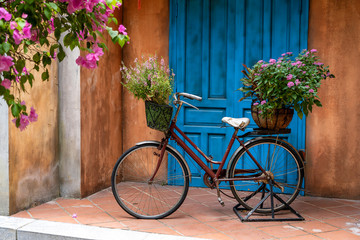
(332, 132)
(33, 153)
(101, 120)
(149, 31)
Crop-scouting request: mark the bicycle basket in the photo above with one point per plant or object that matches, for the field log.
(158, 116)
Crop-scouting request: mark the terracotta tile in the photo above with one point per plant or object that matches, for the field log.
(94, 218)
(164, 230)
(48, 213)
(122, 215)
(342, 222)
(313, 226)
(303, 237)
(336, 235)
(118, 225)
(284, 230)
(48, 205)
(217, 236)
(320, 214)
(110, 207)
(66, 219)
(210, 216)
(345, 210)
(104, 193)
(248, 234)
(103, 200)
(143, 224)
(228, 225)
(325, 203)
(68, 202)
(83, 210)
(177, 219)
(195, 229)
(22, 214)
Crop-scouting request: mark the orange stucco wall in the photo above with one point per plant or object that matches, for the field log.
(101, 121)
(149, 31)
(332, 132)
(33, 164)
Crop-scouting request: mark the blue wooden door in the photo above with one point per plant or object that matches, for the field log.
(209, 42)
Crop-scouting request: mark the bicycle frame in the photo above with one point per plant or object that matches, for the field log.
(194, 156)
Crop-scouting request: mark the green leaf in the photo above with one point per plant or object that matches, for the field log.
(36, 57)
(15, 110)
(300, 114)
(6, 46)
(19, 65)
(68, 39)
(61, 54)
(47, 12)
(54, 6)
(45, 75)
(317, 103)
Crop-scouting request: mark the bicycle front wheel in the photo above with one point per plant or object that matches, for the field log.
(143, 198)
(282, 163)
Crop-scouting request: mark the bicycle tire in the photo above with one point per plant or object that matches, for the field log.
(275, 156)
(140, 198)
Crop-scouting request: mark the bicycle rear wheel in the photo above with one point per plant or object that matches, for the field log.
(144, 199)
(280, 160)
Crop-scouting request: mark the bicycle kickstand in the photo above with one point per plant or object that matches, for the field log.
(218, 193)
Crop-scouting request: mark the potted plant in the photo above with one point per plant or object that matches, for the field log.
(152, 80)
(280, 86)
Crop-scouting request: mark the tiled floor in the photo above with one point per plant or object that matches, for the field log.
(202, 216)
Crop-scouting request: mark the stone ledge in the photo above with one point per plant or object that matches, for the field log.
(12, 228)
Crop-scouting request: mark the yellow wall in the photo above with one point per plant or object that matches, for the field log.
(33, 164)
(332, 132)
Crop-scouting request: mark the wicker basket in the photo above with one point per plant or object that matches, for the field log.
(279, 120)
(158, 116)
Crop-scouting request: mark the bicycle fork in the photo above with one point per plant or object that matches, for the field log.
(162, 146)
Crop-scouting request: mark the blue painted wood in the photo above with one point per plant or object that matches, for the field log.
(209, 42)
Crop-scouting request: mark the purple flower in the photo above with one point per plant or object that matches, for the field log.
(263, 102)
(297, 82)
(272, 61)
(289, 77)
(5, 63)
(24, 121)
(311, 90)
(4, 14)
(17, 36)
(13, 25)
(33, 116)
(290, 84)
(122, 29)
(6, 83)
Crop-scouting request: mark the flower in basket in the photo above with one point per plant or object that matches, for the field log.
(285, 83)
(149, 79)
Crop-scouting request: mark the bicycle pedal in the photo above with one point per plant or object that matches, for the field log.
(221, 202)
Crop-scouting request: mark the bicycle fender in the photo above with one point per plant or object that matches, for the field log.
(173, 149)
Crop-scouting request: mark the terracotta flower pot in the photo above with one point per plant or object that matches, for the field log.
(279, 120)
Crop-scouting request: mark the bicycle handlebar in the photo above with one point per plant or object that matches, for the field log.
(187, 95)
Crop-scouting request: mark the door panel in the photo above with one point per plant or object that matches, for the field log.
(209, 42)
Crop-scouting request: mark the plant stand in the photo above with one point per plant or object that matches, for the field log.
(272, 218)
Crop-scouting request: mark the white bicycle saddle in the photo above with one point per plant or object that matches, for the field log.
(236, 122)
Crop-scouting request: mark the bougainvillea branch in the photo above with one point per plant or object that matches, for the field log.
(28, 27)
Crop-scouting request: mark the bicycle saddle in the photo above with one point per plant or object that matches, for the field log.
(236, 122)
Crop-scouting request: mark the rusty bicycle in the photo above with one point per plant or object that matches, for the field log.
(151, 179)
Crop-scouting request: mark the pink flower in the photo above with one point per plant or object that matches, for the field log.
(289, 53)
(311, 90)
(272, 61)
(6, 83)
(24, 122)
(4, 14)
(74, 5)
(278, 65)
(24, 15)
(33, 117)
(74, 215)
(27, 31)
(34, 35)
(260, 61)
(122, 29)
(289, 77)
(13, 25)
(5, 63)
(17, 36)
(290, 84)
(256, 103)
(318, 63)
(263, 102)
(297, 82)
(313, 50)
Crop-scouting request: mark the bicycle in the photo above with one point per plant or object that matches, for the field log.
(151, 179)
